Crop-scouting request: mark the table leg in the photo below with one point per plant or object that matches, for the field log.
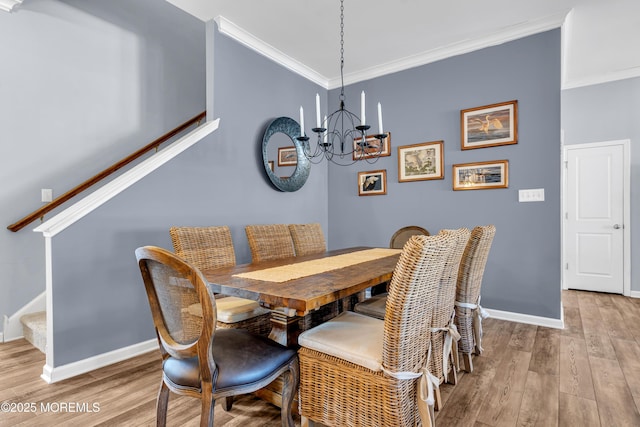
(285, 329)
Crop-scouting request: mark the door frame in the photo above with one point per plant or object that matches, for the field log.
(626, 211)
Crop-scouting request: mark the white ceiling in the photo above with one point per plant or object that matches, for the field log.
(601, 37)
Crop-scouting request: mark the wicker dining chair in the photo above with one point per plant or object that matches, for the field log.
(209, 248)
(199, 360)
(270, 241)
(308, 239)
(356, 370)
(375, 306)
(444, 335)
(469, 313)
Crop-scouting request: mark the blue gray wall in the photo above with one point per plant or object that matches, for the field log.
(83, 83)
(98, 290)
(608, 112)
(423, 104)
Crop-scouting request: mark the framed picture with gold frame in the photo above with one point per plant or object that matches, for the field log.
(420, 162)
(481, 175)
(372, 183)
(287, 156)
(489, 125)
(373, 147)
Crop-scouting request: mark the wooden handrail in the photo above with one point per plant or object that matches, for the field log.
(108, 171)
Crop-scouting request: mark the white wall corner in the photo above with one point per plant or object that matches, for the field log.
(8, 5)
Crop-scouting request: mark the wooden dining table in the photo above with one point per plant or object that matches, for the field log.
(291, 299)
(317, 280)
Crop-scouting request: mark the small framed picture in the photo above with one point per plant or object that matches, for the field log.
(419, 162)
(489, 126)
(287, 156)
(481, 175)
(372, 183)
(372, 147)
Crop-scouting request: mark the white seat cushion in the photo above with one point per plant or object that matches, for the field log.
(232, 309)
(350, 336)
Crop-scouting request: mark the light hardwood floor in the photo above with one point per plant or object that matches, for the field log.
(587, 374)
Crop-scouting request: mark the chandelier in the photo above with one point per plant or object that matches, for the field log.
(342, 136)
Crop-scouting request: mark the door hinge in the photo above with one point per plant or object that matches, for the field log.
(566, 266)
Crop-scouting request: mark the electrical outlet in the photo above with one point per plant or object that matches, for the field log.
(531, 195)
(47, 195)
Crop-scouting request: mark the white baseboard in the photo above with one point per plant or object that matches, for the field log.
(634, 294)
(12, 328)
(1, 337)
(529, 319)
(59, 373)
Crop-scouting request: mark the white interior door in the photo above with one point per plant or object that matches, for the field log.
(594, 217)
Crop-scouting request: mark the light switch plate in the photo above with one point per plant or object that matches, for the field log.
(47, 195)
(531, 195)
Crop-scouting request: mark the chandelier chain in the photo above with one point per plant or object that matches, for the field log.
(342, 50)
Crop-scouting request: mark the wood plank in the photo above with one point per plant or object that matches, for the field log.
(545, 357)
(570, 298)
(615, 402)
(577, 411)
(628, 353)
(630, 313)
(523, 337)
(540, 401)
(572, 322)
(595, 333)
(575, 371)
(463, 405)
(615, 324)
(502, 405)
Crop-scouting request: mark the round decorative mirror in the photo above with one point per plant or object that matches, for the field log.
(284, 161)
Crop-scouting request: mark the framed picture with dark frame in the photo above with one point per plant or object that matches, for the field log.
(372, 147)
(481, 175)
(372, 183)
(489, 125)
(287, 156)
(420, 162)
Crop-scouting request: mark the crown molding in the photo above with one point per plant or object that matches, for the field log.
(247, 39)
(601, 78)
(8, 5)
(507, 34)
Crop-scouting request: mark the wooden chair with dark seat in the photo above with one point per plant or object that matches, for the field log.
(356, 370)
(308, 239)
(375, 306)
(269, 241)
(444, 334)
(209, 248)
(199, 360)
(469, 313)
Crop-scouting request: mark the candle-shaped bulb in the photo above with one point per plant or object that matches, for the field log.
(326, 131)
(380, 118)
(363, 119)
(317, 110)
(301, 121)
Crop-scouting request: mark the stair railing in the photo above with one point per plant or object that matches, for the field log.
(40, 213)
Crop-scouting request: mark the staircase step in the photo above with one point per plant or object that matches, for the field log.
(34, 327)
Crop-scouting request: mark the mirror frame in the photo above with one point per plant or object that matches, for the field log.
(291, 128)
